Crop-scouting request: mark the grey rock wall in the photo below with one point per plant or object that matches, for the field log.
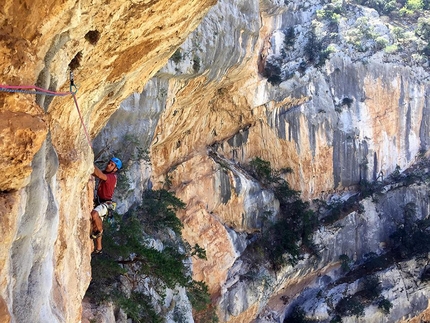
(367, 107)
(128, 136)
(317, 283)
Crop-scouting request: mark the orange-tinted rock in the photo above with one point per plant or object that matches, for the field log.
(114, 48)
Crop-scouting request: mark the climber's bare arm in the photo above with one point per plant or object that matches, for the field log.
(99, 174)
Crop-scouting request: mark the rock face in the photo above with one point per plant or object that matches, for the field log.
(318, 284)
(279, 80)
(356, 116)
(114, 48)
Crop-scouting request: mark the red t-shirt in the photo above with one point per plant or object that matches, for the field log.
(107, 187)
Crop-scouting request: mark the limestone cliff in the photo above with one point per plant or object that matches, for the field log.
(338, 98)
(114, 48)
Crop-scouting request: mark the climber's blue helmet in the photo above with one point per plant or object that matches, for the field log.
(117, 162)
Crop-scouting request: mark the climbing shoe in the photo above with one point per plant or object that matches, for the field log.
(97, 252)
(96, 234)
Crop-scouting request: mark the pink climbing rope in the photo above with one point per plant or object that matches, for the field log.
(31, 89)
(82, 120)
(18, 88)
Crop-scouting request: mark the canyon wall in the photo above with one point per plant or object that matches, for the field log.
(327, 100)
(113, 48)
(237, 92)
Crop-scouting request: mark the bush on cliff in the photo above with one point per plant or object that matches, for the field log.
(283, 241)
(130, 267)
(382, 6)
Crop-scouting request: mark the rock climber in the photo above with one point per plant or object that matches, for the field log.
(103, 199)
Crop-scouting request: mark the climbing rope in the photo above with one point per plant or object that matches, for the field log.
(82, 120)
(73, 90)
(31, 89)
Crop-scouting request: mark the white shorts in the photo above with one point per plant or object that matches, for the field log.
(102, 210)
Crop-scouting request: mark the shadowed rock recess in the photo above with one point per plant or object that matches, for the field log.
(194, 96)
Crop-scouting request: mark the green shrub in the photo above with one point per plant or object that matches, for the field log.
(349, 306)
(196, 64)
(396, 175)
(336, 319)
(289, 38)
(331, 13)
(344, 261)
(280, 243)
(371, 288)
(177, 56)
(105, 271)
(391, 49)
(414, 4)
(338, 208)
(399, 33)
(313, 48)
(367, 188)
(122, 184)
(423, 31)
(197, 251)
(198, 295)
(324, 56)
(159, 208)
(138, 307)
(272, 71)
(369, 293)
(362, 36)
(381, 43)
(207, 316)
(261, 170)
(297, 316)
(385, 305)
(384, 7)
(412, 238)
(127, 254)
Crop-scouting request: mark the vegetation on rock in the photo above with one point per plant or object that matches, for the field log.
(131, 266)
(282, 242)
(403, 37)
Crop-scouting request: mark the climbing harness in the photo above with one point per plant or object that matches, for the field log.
(32, 89)
(105, 209)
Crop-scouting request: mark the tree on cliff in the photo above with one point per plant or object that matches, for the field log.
(134, 273)
(283, 241)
